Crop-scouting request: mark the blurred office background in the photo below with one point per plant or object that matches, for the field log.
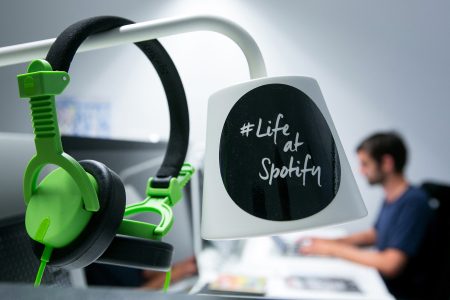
(380, 65)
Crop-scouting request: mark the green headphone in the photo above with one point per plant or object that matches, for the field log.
(75, 214)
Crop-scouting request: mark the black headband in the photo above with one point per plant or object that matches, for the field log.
(64, 48)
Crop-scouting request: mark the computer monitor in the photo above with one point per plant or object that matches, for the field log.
(16, 151)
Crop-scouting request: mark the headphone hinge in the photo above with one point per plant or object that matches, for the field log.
(170, 187)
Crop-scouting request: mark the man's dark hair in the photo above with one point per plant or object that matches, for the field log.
(383, 143)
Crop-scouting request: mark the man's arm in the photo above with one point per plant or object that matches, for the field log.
(388, 262)
(364, 238)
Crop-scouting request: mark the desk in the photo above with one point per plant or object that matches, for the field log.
(28, 292)
(260, 258)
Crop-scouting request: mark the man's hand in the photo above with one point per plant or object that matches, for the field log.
(319, 247)
(389, 262)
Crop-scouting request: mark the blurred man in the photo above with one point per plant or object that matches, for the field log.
(401, 223)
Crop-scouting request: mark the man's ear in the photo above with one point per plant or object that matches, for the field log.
(388, 163)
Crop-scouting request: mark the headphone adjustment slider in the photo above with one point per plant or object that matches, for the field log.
(174, 192)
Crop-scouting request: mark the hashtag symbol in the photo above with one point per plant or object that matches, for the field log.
(247, 128)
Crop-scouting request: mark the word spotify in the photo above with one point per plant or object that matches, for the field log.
(290, 171)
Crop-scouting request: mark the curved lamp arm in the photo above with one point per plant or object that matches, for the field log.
(149, 30)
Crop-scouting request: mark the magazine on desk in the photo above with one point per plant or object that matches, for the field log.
(318, 283)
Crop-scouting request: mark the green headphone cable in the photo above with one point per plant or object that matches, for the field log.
(44, 260)
(167, 281)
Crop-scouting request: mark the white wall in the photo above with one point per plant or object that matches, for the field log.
(380, 64)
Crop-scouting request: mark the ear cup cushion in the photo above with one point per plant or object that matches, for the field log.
(138, 253)
(102, 227)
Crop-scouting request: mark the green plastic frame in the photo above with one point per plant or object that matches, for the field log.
(41, 84)
(159, 201)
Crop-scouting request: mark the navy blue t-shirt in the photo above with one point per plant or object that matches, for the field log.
(402, 224)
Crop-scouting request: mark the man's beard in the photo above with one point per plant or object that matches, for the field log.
(379, 178)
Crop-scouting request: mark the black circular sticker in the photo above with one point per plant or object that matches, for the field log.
(278, 159)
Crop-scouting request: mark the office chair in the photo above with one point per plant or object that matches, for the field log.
(426, 275)
(437, 242)
(18, 263)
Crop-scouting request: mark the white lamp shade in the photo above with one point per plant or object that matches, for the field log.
(274, 162)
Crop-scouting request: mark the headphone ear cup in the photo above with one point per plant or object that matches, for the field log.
(102, 227)
(138, 253)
